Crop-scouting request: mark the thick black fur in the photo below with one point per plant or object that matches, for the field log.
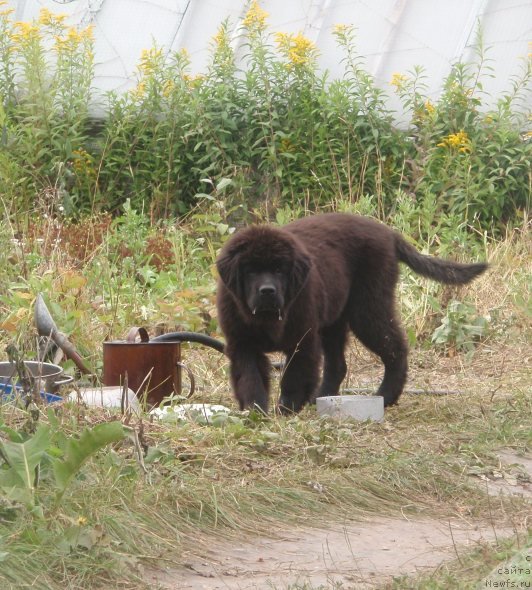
(299, 289)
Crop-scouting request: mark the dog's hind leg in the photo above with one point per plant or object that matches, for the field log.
(375, 324)
(333, 339)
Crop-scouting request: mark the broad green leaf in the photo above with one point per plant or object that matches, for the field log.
(14, 435)
(16, 493)
(79, 450)
(23, 458)
(224, 183)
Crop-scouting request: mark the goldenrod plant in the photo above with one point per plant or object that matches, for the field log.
(270, 121)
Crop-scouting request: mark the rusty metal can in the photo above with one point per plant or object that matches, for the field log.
(151, 369)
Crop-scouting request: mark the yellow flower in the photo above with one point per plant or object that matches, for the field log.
(87, 33)
(73, 36)
(456, 141)
(301, 50)
(298, 49)
(26, 30)
(193, 80)
(49, 19)
(82, 521)
(168, 87)
(59, 42)
(255, 19)
(282, 40)
(139, 90)
(82, 162)
(221, 39)
(286, 145)
(73, 39)
(149, 60)
(429, 107)
(340, 29)
(25, 33)
(398, 80)
(45, 17)
(223, 52)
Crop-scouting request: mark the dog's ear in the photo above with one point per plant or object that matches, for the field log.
(299, 275)
(228, 269)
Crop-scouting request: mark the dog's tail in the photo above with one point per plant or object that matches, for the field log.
(444, 271)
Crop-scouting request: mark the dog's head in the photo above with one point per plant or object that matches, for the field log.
(264, 268)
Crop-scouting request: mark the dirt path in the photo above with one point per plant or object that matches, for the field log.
(350, 556)
(355, 556)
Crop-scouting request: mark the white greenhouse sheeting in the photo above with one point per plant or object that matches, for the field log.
(393, 35)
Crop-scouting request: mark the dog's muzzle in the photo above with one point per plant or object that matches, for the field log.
(267, 300)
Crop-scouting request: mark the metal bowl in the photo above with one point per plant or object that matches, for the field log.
(47, 372)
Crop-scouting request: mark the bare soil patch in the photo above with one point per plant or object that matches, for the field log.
(352, 555)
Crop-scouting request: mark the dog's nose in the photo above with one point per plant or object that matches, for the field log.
(267, 289)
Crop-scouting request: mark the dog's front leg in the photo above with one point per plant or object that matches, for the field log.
(299, 379)
(250, 372)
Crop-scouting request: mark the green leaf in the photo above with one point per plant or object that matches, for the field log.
(23, 458)
(17, 494)
(223, 184)
(78, 451)
(222, 228)
(14, 435)
(80, 537)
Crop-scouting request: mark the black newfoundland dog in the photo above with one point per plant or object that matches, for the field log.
(298, 289)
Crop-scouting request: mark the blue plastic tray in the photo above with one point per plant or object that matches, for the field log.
(7, 394)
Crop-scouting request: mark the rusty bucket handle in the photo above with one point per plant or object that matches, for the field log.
(136, 331)
(191, 378)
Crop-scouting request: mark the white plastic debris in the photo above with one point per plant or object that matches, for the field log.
(106, 397)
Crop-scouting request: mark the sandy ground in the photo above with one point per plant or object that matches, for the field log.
(347, 556)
